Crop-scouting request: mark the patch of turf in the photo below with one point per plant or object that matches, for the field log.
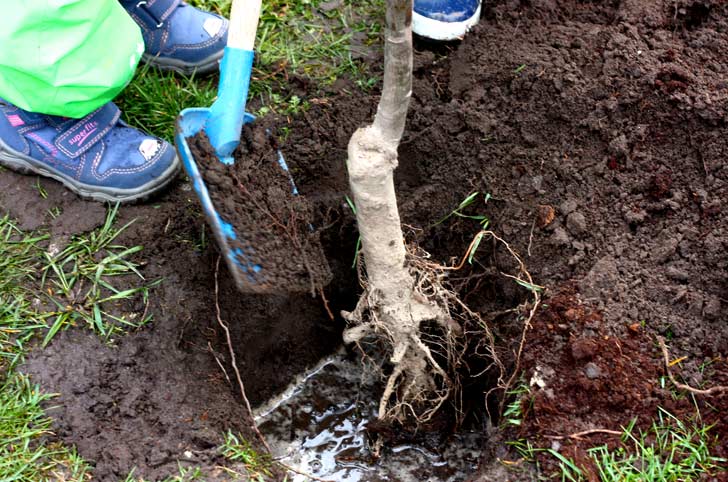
(78, 281)
(18, 264)
(154, 99)
(24, 456)
(671, 450)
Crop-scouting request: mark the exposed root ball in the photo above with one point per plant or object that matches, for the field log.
(427, 353)
(419, 382)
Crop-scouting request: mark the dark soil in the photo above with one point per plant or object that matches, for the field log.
(147, 398)
(599, 130)
(276, 248)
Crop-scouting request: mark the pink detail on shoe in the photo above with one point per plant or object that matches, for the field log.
(15, 120)
(51, 148)
(88, 129)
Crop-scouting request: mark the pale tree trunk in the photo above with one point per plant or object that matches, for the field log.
(393, 309)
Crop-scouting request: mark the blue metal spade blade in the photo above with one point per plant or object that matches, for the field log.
(223, 123)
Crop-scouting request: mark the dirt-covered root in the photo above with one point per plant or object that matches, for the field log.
(403, 292)
(424, 339)
(427, 352)
(419, 382)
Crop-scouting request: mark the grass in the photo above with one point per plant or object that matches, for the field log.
(309, 40)
(75, 283)
(357, 249)
(483, 220)
(459, 211)
(18, 264)
(78, 282)
(295, 38)
(671, 450)
(513, 414)
(154, 99)
(24, 456)
(257, 465)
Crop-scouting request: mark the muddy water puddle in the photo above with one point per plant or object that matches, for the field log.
(318, 426)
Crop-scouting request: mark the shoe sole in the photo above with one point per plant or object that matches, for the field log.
(205, 66)
(19, 162)
(444, 31)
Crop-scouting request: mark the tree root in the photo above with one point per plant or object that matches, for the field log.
(412, 382)
(426, 360)
(407, 303)
(682, 386)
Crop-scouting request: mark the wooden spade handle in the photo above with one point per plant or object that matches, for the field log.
(244, 16)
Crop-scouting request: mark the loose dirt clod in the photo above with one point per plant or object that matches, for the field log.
(274, 225)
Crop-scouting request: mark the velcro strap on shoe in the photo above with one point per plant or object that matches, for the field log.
(84, 133)
(21, 119)
(155, 12)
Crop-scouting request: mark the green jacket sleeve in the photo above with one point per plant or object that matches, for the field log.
(66, 57)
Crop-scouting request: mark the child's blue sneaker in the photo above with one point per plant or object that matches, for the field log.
(179, 37)
(97, 157)
(444, 19)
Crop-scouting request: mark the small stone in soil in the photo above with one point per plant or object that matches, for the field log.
(560, 237)
(592, 371)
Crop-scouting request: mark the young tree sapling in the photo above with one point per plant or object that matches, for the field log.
(391, 306)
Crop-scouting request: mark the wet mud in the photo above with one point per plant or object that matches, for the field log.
(320, 426)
